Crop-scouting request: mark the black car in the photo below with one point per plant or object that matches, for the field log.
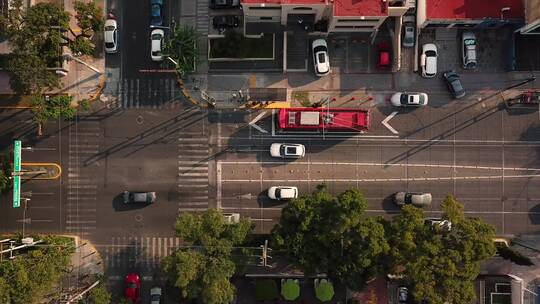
(224, 3)
(225, 21)
(454, 84)
(156, 13)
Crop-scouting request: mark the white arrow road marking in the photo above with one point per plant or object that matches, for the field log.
(255, 120)
(387, 119)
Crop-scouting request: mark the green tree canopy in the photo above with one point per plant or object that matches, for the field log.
(52, 108)
(182, 48)
(325, 234)
(204, 270)
(440, 265)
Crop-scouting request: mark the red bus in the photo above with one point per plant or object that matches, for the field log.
(329, 119)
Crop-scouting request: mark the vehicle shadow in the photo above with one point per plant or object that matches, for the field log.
(119, 205)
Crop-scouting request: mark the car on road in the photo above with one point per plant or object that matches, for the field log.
(155, 295)
(438, 223)
(468, 50)
(282, 192)
(156, 13)
(408, 35)
(156, 44)
(287, 150)
(454, 84)
(231, 218)
(409, 99)
(320, 57)
(132, 287)
(428, 60)
(217, 4)
(403, 294)
(412, 198)
(131, 197)
(111, 36)
(228, 21)
(384, 60)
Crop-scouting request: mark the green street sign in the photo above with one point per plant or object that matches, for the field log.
(16, 191)
(17, 178)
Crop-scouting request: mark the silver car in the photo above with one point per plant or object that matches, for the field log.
(408, 35)
(468, 50)
(412, 198)
(155, 295)
(438, 223)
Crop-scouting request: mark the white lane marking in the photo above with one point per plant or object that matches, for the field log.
(394, 138)
(387, 125)
(383, 179)
(251, 208)
(257, 118)
(273, 123)
(259, 128)
(218, 195)
(380, 164)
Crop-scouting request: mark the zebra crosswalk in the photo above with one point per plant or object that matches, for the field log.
(144, 93)
(141, 251)
(202, 17)
(84, 141)
(192, 172)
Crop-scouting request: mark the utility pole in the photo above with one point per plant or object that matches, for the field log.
(265, 256)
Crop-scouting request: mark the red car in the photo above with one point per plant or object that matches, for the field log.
(133, 287)
(384, 61)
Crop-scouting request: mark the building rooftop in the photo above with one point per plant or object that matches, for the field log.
(360, 8)
(284, 1)
(473, 9)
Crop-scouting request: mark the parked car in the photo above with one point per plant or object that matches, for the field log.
(231, 218)
(384, 60)
(111, 36)
(438, 223)
(156, 44)
(412, 198)
(156, 13)
(220, 22)
(528, 99)
(403, 294)
(428, 60)
(282, 192)
(155, 295)
(408, 35)
(131, 197)
(320, 57)
(217, 4)
(454, 84)
(287, 150)
(409, 99)
(132, 287)
(468, 50)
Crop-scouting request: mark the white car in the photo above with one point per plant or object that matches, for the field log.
(428, 60)
(287, 150)
(320, 57)
(468, 50)
(155, 295)
(410, 99)
(231, 218)
(111, 36)
(282, 192)
(438, 223)
(156, 44)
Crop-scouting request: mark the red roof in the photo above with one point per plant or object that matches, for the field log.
(285, 1)
(473, 9)
(366, 8)
(320, 118)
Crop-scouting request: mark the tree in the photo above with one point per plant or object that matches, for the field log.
(6, 160)
(182, 48)
(204, 270)
(321, 233)
(89, 20)
(440, 265)
(30, 277)
(99, 295)
(55, 107)
(37, 34)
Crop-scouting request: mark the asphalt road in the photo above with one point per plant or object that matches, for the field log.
(475, 149)
(133, 79)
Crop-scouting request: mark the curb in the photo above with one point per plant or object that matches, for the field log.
(55, 165)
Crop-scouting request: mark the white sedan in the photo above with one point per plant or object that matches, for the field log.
(111, 36)
(287, 150)
(156, 44)
(282, 192)
(428, 60)
(411, 99)
(320, 57)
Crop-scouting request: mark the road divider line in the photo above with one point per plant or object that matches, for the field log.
(383, 179)
(387, 125)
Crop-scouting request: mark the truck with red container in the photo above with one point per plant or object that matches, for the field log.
(324, 119)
